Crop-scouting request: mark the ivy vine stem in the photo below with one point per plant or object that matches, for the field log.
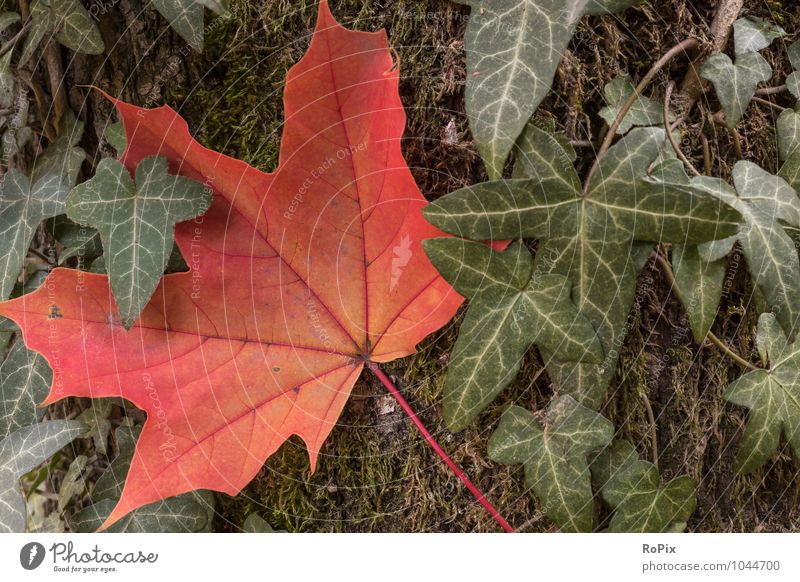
(670, 137)
(772, 90)
(737, 143)
(381, 375)
(680, 48)
(723, 347)
(769, 103)
(706, 154)
(12, 42)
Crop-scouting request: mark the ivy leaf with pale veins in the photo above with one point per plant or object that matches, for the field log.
(788, 130)
(752, 34)
(700, 281)
(7, 84)
(190, 512)
(644, 112)
(513, 50)
(115, 136)
(25, 379)
(186, 17)
(735, 84)
(68, 21)
(793, 52)
(187, 513)
(769, 205)
(793, 84)
(96, 418)
(62, 157)
(8, 18)
(591, 240)
(554, 452)
(21, 452)
(632, 487)
(509, 311)
(79, 242)
(22, 207)
(699, 276)
(73, 484)
(136, 222)
(256, 524)
(773, 397)
(793, 79)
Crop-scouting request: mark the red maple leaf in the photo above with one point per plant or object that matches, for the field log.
(298, 278)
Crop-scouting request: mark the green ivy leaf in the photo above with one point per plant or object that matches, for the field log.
(773, 397)
(590, 240)
(257, 524)
(753, 34)
(69, 21)
(96, 417)
(186, 17)
(22, 208)
(793, 52)
(190, 512)
(546, 157)
(109, 485)
(509, 311)
(136, 223)
(75, 28)
(115, 135)
(700, 282)
(632, 487)
(73, 483)
(699, 277)
(736, 84)
(768, 204)
(78, 241)
(622, 204)
(644, 112)
(793, 79)
(554, 452)
(62, 157)
(182, 514)
(609, 6)
(21, 452)
(7, 82)
(25, 379)
(513, 50)
(7, 19)
(793, 84)
(788, 129)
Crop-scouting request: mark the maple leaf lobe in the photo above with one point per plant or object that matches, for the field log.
(290, 289)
